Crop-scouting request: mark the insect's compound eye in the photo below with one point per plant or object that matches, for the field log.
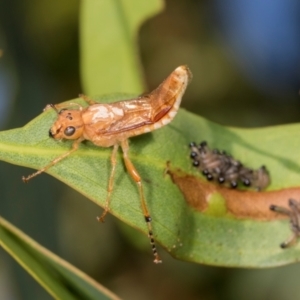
(70, 130)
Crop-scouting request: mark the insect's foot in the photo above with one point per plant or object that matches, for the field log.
(157, 260)
(100, 219)
(25, 179)
(284, 245)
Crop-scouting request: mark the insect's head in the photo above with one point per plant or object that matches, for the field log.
(69, 125)
(261, 178)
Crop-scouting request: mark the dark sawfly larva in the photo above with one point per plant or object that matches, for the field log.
(219, 166)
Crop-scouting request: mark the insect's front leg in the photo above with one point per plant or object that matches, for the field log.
(113, 160)
(136, 177)
(54, 161)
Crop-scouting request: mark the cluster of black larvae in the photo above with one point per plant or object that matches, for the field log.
(294, 213)
(219, 166)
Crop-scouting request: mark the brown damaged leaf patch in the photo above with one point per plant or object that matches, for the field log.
(240, 203)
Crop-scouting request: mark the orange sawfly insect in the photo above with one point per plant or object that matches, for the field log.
(111, 124)
(294, 213)
(222, 167)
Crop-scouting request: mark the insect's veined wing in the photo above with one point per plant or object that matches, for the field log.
(128, 116)
(156, 109)
(143, 114)
(136, 113)
(167, 96)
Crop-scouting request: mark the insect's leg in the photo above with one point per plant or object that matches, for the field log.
(55, 161)
(87, 99)
(294, 226)
(280, 209)
(110, 182)
(136, 177)
(289, 242)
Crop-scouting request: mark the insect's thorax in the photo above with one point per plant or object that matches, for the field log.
(104, 124)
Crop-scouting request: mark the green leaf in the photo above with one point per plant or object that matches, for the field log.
(108, 44)
(223, 233)
(58, 277)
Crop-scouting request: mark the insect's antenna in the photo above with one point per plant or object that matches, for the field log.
(53, 106)
(136, 177)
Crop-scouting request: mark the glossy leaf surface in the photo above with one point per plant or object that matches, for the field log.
(215, 235)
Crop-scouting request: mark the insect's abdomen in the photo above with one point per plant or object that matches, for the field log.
(166, 99)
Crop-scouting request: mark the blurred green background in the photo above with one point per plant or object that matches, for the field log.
(243, 55)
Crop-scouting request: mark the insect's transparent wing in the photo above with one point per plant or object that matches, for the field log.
(137, 113)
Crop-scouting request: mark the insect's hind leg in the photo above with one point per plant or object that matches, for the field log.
(136, 177)
(113, 160)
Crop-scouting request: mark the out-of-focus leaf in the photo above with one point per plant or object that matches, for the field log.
(108, 44)
(58, 277)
